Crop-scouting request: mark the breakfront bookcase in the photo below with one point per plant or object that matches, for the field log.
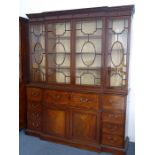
(78, 77)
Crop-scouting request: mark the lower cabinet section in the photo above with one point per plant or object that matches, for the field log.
(78, 119)
(84, 126)
(54, 122)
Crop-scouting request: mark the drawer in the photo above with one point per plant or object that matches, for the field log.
(89, 101)
(34, 106)
(34, 124)
(113, 140)
(113, 102)
(34, 115)
(34, 94)
(56, 97)
(116, 118)
(112, 128)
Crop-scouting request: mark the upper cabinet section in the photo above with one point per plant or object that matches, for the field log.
(85, 47)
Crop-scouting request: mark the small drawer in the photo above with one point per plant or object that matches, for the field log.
(34, 106)
(34, 115)
(116, 118)
(112, 128)
(113, 140)
(113, 103)
(56, 97)
(34, 94)
(34, 124)
(89, 101)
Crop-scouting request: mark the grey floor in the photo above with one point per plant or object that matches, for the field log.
(29, 145)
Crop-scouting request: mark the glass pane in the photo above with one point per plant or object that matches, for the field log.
(58, 47)
(37, 50)
(88, 52)
(88, 77)
(117, 52)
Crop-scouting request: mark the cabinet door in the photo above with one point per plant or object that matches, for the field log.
(58, 52)
(84, 126)
(54, 121)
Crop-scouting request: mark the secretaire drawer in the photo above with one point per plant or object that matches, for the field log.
(112, 140)
(90, 101)
(112, 128)
(56, 97)
(34, 94)
(113, 102)
(117, 118)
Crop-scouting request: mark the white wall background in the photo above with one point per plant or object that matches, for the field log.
(140, 47)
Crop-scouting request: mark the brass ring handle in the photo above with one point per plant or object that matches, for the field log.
(84, 100)
(53, 96)
(112, 139)
(113, 116)
(112, 102)
(34, 105)
(57, 96)
(35, 115)
(112, 127)
(35, 94)
(35, 125)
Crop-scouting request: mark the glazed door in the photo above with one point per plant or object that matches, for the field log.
(117, 52)
(84, 126)
(55, 121)
(88, 48)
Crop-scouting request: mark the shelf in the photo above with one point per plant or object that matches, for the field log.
(60, 38)
(62, 67)
(58, 53)
(77, 37)
(90, 37)
(116, 69)
(97, 53)
(88, 68)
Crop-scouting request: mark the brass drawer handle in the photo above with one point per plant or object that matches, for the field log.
(112, 127)
(111, 139)
(35, 125)
(112, 102)
(35, 115)
(54, 96)
(84, 100)
(35, 94)
(113, 116)
(34, 105)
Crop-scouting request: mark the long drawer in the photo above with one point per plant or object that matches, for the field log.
(56, 97)
(89, 101)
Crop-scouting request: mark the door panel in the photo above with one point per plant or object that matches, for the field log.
(54, 121)
(84, 126)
